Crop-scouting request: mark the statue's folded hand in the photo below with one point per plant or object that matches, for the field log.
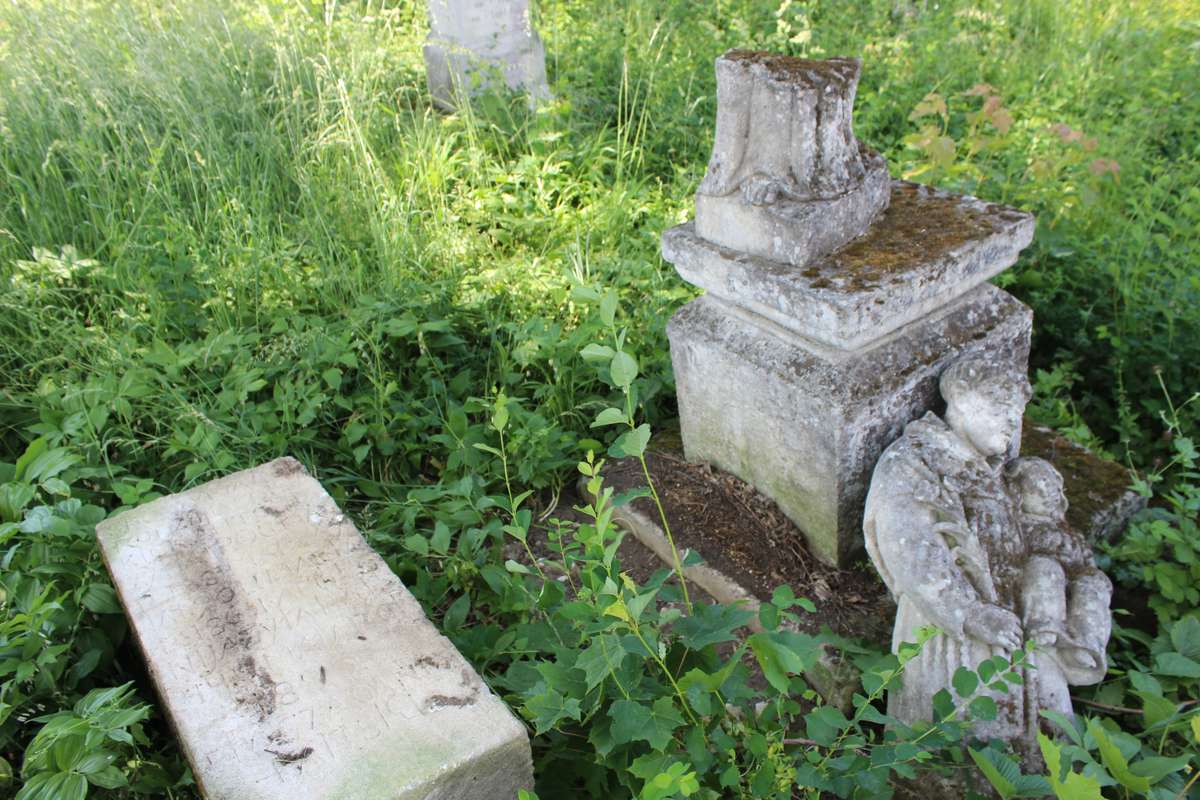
(993, 625)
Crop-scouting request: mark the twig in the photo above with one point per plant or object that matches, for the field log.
(1106, 707)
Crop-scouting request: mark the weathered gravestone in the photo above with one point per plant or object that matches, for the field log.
(835, 296)
(480, 45)
(292, 663)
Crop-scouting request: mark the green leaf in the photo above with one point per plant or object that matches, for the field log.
(608, 307)
(1176, 666)
(624, 369)
(634, 721)
(601, 658)
(548, 707)
(775, 658)
(711, 624)
(632, 443)
(983, 708)
(100, 598)
(333, 377)
(1114, 760)
(597, 353)
(417, 544)
(440, 541)
(1185, 637)
(965, 682)
(825, 724)
(1001, 772)
(609, 416)
(1067, 785)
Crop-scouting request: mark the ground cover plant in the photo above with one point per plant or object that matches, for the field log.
(235, 230)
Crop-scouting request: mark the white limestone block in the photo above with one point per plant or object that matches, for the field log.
(292, 663)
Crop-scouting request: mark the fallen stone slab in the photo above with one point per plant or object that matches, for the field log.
(292, 663)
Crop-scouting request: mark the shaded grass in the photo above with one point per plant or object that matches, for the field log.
(237, 229)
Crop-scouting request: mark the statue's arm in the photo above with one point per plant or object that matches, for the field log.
(921, 564)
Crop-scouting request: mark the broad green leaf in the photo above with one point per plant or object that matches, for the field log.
(624, 369)
(440, 541)
(634, 721)
(824, 724)
(1176, 666)
(983, 708)
(1185, 637)
(965, 682)
(1114, 760)
(608, 307)
(609, 416)
(597, 353)
(710, 624)
(1069, 785)
(776, 659)
(632, 443)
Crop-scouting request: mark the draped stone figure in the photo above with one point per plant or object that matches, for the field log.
(983, 553)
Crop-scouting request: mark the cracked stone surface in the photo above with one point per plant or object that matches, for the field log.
(477, 46)
(292, 663)
(929, 248)
(787, 180)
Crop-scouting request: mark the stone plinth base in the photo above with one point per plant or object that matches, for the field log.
(805, 423)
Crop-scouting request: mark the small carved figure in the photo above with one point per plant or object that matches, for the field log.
(983, 554)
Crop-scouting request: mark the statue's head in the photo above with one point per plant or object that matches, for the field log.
(1038, 486)
(985, 399)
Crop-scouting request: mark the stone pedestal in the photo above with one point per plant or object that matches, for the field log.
(292, 663)
(795, 378)
(476, 46)
(835, 296)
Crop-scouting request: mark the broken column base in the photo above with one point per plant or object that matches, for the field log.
(805, 423)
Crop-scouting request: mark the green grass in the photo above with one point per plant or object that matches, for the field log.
(237, 229)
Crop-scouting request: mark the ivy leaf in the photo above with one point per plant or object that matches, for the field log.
(711, 624)
(634, 721)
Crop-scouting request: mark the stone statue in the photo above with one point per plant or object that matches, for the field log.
(975, 543)
(788, 180)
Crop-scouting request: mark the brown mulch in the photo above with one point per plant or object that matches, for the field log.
(743, 534)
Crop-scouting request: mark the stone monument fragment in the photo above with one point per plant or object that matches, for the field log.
(292, 663)
(976, 543)
(787, 180)
(480, 45)
(831, 305)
